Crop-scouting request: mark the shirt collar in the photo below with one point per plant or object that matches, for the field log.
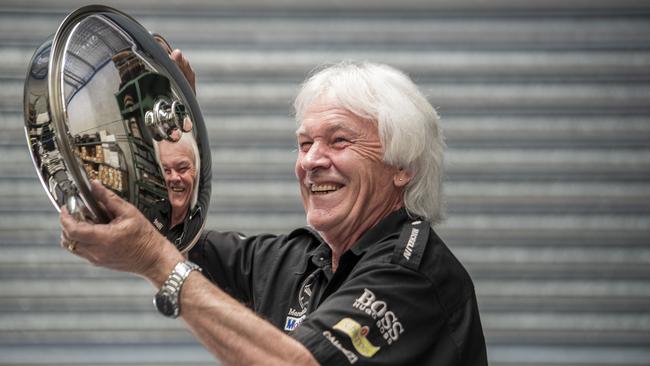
(385, 228)
(388, 226)
(317, 247)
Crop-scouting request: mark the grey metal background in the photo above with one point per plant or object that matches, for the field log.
(546, 109)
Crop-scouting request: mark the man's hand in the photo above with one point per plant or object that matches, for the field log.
(184, 64)
(181, 61)
(127, 243)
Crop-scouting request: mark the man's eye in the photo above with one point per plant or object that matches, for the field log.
(340, 141)
(305, 146)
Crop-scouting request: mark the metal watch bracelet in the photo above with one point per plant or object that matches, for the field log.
(167, 299)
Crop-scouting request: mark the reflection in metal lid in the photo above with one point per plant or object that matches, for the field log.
(97, 97)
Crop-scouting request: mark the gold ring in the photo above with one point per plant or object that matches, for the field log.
(72, 246)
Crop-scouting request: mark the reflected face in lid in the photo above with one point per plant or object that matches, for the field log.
(177, 159)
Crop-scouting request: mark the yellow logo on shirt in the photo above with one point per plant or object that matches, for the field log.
(357, 335)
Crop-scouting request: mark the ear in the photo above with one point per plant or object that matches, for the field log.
(402, 177)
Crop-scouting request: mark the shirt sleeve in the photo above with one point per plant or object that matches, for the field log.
(390, 315)
(234, 262)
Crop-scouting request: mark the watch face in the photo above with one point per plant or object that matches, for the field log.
(164, 305)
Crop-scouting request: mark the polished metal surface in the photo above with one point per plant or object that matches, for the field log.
(98, 98)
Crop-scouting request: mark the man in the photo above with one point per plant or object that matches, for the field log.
(367, 282)
(179, 218)
(179, 161)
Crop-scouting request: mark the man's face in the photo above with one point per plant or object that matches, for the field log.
(345, 185)
(178, 165)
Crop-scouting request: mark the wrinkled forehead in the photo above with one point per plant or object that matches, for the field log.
(175, 151)
(329, 115)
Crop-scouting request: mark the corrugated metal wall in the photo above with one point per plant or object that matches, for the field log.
(546, 108)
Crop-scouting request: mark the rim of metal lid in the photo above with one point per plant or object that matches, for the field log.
(57, 104)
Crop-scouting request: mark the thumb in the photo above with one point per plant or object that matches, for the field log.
(184, 65)
(115, 206)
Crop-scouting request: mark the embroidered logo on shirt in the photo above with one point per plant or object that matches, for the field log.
(411, 245)
(295, 317)
(349, 354)
(389, 325)
(157, 224)
(305, 295)
(411, 242)
(357, 334)
(292, 322)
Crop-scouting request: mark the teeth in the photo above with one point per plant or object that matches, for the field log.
(323, 187)
(178, 189)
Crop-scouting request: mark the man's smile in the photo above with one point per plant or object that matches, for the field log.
(324, 188)
(177, 188)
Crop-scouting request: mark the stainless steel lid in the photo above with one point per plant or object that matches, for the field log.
(104, 101)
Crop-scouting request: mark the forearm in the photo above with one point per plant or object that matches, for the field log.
(232, 332)
(228, 329)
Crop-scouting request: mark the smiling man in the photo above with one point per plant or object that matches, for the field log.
(178, 216)
(346, 186)
(178, 161)
(367, 282)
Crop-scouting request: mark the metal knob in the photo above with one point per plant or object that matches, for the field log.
(166, 120)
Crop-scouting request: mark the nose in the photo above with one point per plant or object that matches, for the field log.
(173, 176)
(316, 157)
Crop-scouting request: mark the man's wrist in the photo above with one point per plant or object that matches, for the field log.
(163, 263)
(167, 300)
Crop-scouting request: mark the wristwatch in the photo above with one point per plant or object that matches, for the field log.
(167, 299)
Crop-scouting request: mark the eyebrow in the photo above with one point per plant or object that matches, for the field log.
(179, 163)
(334, 127)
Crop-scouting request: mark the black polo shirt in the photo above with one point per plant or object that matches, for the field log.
(398, 297)
(181, 235)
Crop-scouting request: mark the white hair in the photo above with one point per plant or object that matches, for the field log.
(406, 121)
(187, 140)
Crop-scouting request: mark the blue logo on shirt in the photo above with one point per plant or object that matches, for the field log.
(292, 322)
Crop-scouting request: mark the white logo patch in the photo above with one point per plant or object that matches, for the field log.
(409, 245)
(349, 354)
(387, 322)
